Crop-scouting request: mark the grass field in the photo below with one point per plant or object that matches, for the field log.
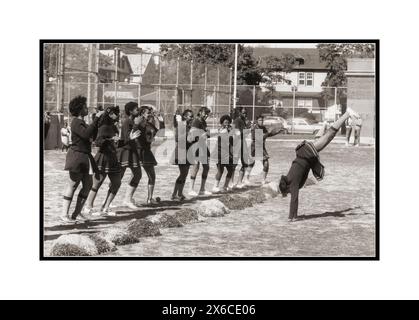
(338, 213)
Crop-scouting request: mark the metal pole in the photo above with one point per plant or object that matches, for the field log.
(205, 86)
(191, 81)
(336, 102)
(218, 89)
(159, 92)
(116, 75)
(103, 95)
(235, 76)
(293, 108)
(96, 75)
(215, 102)
(229, 92)
(177, 85)
(141, 79)
(89, 70)
(254, 100)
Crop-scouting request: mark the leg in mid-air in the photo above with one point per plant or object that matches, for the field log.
(324, 140)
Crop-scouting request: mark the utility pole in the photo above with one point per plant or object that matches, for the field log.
(116, 74)
(89, 71)
(60, 77)
(96, 74)
(235, 76)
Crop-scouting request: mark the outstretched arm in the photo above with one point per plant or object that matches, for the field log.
(294, 189)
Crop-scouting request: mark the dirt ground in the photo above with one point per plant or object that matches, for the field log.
(338, 213)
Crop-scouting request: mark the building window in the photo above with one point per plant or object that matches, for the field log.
(301, 103)
(309, 79)
(305, 103)
(301, 78)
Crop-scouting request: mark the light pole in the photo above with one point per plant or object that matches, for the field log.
(116, 53)
(294, 89)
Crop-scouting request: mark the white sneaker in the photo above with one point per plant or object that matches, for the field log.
(96, 214)
(247, 182)
(239, 186)
(193, 193)
(87, 211)
(108, 212)
(130, 205)
(205, 193)
(216, 189)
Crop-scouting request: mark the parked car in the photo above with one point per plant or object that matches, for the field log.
(302, 126)
(274, 121)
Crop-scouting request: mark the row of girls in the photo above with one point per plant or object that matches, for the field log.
(114, 156)
(132, 150)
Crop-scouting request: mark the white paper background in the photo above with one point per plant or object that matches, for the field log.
(23, 23)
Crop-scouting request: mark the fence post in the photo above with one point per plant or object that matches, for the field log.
(139, 93)
(218, 89)
(191, 81)
(177, 85)
(159, 91)
(103, 95)
(229, 93)
(205, 86)
(254, 100)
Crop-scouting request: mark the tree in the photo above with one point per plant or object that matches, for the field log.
(217, 54)
(335, 55)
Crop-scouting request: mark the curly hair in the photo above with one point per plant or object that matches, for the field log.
(143, 109)
(224, 118)
(105, 119)
(185, 113)
(76, 105)
(130, 106)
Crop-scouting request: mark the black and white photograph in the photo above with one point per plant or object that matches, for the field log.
(211, 149)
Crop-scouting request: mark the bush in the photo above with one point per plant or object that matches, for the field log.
(143, 228)
(119, 236)
(212, 208)
(165, 221)
(74, 245)
(187, 216)
(236, 202)
(103, 245)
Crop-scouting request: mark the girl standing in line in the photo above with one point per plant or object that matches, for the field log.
(148, 132)
(107, 161)
(182, 126)
(79, 161)
(128, 156)
(266, 134)
(225, 158)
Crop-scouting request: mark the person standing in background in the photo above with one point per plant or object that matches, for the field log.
(65, 137)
